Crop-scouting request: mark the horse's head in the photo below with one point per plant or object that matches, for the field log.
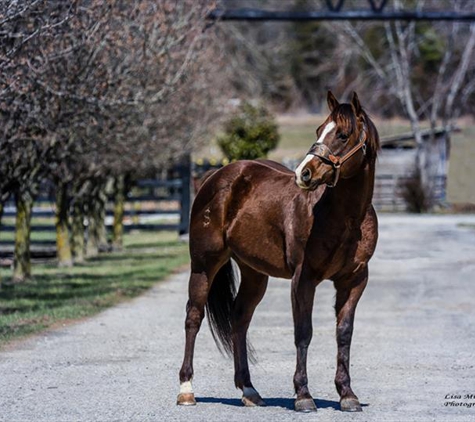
(340, 148)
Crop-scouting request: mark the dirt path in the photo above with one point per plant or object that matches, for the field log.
(414, 344)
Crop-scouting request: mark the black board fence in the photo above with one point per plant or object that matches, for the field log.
(165, 203)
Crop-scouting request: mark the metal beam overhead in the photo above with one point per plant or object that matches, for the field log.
(336, 14)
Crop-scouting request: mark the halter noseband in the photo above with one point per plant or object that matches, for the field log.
(324, 153)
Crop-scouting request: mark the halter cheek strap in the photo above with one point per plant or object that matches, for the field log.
(324, 153)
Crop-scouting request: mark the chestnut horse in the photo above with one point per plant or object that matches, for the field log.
(317, 223)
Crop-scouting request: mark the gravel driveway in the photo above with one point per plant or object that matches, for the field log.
(413, 348)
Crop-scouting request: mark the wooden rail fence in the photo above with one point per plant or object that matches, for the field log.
(153, 204)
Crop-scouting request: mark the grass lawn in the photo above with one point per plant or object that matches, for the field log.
(56, 295)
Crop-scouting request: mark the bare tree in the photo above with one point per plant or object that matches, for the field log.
(102, 90)
(20, 136)
(424, 93)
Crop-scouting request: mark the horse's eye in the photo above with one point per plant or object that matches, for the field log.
(343, 136)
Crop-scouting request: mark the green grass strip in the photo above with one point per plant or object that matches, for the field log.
(55, 295)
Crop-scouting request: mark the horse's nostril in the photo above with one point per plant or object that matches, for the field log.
(306, 175)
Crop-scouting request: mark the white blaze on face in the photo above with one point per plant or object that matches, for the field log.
(298, 171)
(328, 128)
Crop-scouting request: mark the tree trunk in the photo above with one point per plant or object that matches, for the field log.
(2, 204)
(443, 149)
(22, 261)
(437, 167)
(97, 236)
(119, 202)
(63, 247)
(93, 235)
(1, 216)
(102, 229)
(422, 173)
(77, 232)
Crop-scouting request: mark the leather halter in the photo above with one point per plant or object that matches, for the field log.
(325, 154)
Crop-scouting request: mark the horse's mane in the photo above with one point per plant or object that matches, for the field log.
(345, 115)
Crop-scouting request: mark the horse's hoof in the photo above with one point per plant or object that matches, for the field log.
(186, 399)
(253, 400)
(305, 405)
(350, 404)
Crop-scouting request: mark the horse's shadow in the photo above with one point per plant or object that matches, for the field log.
(286, 403)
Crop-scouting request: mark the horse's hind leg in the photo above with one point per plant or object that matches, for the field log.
(198, 289)
(348, 293)
(198, 293)
(251, 291)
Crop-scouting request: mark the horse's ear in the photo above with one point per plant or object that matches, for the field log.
(355, 104)
(332, 101)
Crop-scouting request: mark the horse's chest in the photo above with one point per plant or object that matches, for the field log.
(330, 251)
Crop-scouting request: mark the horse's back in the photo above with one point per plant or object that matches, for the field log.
(248, 167)
(240, 175)
(276, 166)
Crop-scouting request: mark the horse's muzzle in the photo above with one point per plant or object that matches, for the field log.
(313, 175)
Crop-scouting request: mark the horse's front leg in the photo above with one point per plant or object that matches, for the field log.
(348, 293)
(303, 292)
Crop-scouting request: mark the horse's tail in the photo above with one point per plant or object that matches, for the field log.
(220, 307)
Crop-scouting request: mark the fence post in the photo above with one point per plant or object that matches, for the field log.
(185, 199)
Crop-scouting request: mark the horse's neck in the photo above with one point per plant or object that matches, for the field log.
(350, 198)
